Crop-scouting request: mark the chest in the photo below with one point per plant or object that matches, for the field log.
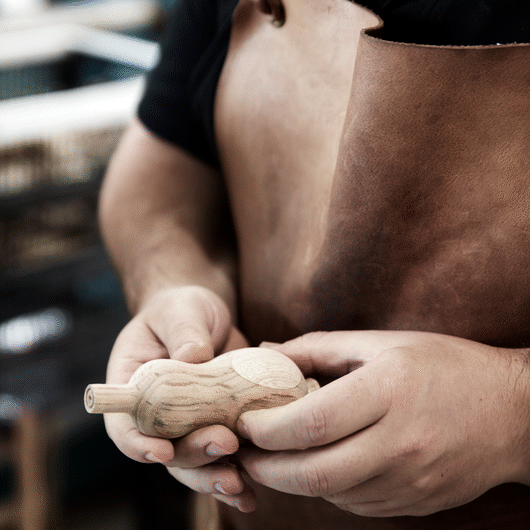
(374, 185)
(279, 112)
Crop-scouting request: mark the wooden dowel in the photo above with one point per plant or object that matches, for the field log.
(100, 398)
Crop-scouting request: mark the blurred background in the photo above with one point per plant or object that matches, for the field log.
(71, 74)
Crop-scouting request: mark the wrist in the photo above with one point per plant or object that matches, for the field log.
(163, 265)
(520, 386)
(162, 291)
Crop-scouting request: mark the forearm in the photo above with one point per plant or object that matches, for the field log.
(519, 382)
(163, 218)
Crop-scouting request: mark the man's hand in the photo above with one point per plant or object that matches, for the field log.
(414, 424)
(190, 324)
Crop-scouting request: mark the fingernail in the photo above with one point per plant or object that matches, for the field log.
(246, 507)
(242, 429)
(190, 352)
(152, 458)
(233, 501)
(243, 505)
(218, 487)
(188, 346)
(214, 450)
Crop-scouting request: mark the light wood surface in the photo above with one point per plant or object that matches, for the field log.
(169, 399)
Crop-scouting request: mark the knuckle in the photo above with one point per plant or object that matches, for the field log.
(313, 426)
(416, 445)
(402, 360)
(312, 338)
(421, 487)
(313, 482)
(425, 487)
(183, 330)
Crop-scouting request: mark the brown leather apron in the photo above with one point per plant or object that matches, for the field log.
(436, 152)
(430, 190)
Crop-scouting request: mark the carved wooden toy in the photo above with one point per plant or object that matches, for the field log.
(169, 399)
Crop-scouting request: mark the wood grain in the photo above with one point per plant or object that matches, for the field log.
(169, 399)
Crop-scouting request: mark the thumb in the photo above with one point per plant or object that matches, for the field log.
(336, 353)
(192, 323)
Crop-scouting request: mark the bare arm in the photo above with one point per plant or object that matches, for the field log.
(164, 219)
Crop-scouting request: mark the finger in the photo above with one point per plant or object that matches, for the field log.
(394, 493)
(216, 478)
(192, 323)
(204, 446)
(384, 508)
(341, 408)
(223, 482)
(370, 509)
(375, 496)
(245, 502)
(134, 444)
(318, 472)
(338, 352)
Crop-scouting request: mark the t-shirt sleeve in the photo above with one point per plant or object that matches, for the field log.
(177, 104)
(454, 22)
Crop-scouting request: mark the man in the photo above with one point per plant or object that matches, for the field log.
(338, 181)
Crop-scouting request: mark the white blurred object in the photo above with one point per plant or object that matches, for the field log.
(115, 15)
(110, 104)
(24, 333)
(22, 7)
(10, 407)
(33, 46)
(33, 118)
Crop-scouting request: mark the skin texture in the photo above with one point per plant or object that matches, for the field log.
(426, 418)
(403, 442)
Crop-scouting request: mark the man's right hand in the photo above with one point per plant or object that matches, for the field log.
(191, 324)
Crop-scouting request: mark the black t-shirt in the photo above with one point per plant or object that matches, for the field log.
(178, 102)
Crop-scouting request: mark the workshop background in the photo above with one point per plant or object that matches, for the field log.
(71, 74)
